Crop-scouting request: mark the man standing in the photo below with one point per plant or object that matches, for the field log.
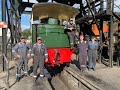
(21, 52)
(92, 53)
(39, 54)
(82, 46)
(70, 27)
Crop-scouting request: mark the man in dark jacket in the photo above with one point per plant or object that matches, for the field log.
(39, 54)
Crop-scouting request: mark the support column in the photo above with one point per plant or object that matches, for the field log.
(12, 28)
(100, 31)
(16, 29)
(111, 33)
(34, 33)
(101, 46)
(101, 5)
(81, 7)
(111, 42)
(19, 28)
(12, 32)
(118, 58)
(4, 34)
(109, 6)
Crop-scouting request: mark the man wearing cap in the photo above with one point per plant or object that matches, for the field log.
(70, 28)
(39, 54)
(21, 52)
(92, 53)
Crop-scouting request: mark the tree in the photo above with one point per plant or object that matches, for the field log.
(26, 33)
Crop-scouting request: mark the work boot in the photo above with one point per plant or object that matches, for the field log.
(17, 79)
(26, 74)
(82, 69)
(93, 69)
(34, 76)
(42, 77)
(88, 69)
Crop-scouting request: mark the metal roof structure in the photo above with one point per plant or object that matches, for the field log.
(53, 10)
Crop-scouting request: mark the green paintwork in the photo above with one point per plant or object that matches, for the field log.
(52, 35)
(52, 21)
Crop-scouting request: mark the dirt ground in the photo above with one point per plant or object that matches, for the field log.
(105, 77)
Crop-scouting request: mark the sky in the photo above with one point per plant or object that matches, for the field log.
(25, 19)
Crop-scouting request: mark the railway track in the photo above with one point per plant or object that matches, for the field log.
(55, 81)
(68, 79)
(76, 82)
(59, 78)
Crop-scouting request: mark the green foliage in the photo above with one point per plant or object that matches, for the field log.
(26, 33)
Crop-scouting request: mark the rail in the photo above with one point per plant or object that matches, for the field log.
(81, 80)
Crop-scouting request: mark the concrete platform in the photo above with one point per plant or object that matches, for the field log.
(104, 77)
(28, 83)
(25, 83)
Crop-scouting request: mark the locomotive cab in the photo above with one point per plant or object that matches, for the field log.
(50, 17)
